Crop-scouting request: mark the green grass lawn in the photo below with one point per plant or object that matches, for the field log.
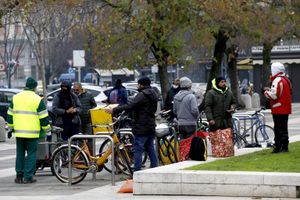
(263, 161)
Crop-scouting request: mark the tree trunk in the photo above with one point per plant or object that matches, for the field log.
(220, 47)
(233, 74)
(163, 77)
(265, 74)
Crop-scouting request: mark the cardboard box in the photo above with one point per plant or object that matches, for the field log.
(100, 117)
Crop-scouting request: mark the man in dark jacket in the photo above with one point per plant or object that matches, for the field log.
(170, 96)
(66, 106)
(144, 106)
(87, 102)
(219, 105)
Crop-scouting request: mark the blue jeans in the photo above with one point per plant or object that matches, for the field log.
(141, 144)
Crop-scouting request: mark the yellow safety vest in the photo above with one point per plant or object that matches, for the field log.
(26, 118)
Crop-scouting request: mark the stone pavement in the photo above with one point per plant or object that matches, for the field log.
(109, 192)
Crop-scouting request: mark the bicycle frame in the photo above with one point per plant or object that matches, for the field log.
(85, 146)
(257, 122)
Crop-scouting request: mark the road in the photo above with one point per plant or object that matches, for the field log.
(46, 183)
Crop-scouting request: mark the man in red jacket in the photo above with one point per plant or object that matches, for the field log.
(280, 102)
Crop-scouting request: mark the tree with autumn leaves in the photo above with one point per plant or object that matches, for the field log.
(129, 33)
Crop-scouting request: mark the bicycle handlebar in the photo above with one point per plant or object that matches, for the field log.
(164, 114)
(258, 111)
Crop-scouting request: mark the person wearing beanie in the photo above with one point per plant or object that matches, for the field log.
(27, 118)
(67, 107)
(143, 106)
(219, 105)
(185, 109)
(31, 84)
(185, 83)
(280, 102)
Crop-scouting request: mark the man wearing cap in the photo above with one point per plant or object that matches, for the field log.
(280, 102)
(144, 106)
(219, 105)
(28, 120)
(185, 109)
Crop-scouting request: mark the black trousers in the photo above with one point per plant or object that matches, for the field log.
(186, 131)
(281, 131)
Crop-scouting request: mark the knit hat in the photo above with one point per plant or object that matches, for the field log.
(185, 82)
(145, 81)
(219, 79)
(31, 83)
(276, 68)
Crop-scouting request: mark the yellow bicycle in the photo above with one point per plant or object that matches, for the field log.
(83, 162)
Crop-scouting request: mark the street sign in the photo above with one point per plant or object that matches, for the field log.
(71, 70)
(78, 58)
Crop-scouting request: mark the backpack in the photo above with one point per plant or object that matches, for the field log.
(198, 149)
(113, 96)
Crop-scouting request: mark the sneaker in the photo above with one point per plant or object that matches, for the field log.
(19, 180)
(29, 181)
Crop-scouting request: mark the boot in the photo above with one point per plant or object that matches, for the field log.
(19, 179)
(277, 148)
(285, 147)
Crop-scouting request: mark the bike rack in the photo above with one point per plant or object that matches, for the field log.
(245, 117)
(103, 135)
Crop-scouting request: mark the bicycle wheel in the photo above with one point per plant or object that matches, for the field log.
(129, 148)
(60, 164)
(128, 141)
(166, 151)
(123, 161)
(264, 133)
(239, 141)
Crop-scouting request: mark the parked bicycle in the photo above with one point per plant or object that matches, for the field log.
(83, 162)
(263, 132)
(125, 135)
(166, 139)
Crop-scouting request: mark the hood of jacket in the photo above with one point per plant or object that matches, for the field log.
(181, 94)
(277, 68)
(214, 86)
(150, 93)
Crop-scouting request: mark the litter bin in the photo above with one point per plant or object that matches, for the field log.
(2, 130)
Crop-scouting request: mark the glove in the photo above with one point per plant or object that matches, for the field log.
(48, 136)
(9, 133)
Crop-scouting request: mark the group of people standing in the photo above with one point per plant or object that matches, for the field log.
(72, 113)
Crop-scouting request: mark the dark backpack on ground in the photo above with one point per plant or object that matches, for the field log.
(198, 149)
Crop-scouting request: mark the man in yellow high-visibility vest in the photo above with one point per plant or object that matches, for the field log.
(27, 118)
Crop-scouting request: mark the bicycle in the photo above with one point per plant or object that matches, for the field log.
(83, 162)
(166, 140)
(263, 132)
(125, 135)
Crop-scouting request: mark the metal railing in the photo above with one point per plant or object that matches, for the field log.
(247, 117)
(103, 135)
